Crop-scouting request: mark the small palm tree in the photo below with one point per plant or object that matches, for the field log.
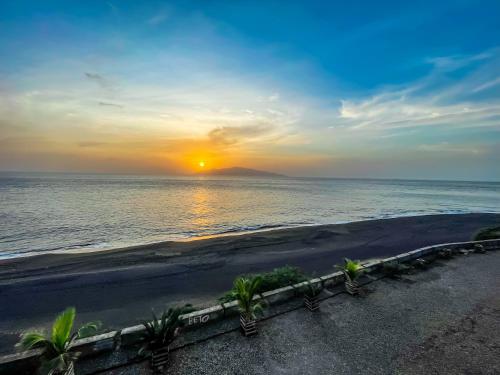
(351, 270)
(245, 290)
(160, 333)
(311, 295)
(56, 355)
(163, 331)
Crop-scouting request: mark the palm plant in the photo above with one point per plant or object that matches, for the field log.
(312, 290)
(160, 333)
(277, 278)
(245, 290)
(56, 355)
(351, 270)
(311, 294)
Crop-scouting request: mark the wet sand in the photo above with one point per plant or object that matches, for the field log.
(119, 287)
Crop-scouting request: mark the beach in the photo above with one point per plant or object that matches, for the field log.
(119, 287)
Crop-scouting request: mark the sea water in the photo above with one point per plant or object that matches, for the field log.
(47, 213)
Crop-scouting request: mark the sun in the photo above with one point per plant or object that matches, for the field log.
(201, 164)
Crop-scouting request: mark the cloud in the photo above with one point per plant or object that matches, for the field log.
(99, 80)
(457, 61)
(106, 104)
(431, 101)
(229, 135)
(158, 18)
(274, 97)
(487, 85)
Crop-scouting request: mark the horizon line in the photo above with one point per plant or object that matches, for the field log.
(278, 175)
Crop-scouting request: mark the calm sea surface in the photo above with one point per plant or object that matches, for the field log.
(64, 212)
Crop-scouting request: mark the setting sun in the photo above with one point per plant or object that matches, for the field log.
(201, 164)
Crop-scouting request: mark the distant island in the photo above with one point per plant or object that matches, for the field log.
(239, 171)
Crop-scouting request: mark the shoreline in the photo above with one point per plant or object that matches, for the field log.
(229, 233)
(120, 287)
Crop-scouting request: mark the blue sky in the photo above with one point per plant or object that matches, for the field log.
(357, 89)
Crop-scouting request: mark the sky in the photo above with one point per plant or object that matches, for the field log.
(332, 89)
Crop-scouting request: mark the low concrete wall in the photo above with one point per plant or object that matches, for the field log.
(20, 363)
(25, 362)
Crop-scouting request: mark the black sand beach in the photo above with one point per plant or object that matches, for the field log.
(119, 287)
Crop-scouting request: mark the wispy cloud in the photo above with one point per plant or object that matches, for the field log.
(487, 85)
(274, 97)
(158, 18)
(106, 104)
(99, 80)
(431, 101)
(229, 135)
(457, 61)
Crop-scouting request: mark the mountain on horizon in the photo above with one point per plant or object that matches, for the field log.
(239, 171)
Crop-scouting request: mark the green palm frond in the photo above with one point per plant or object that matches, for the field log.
(312, 290)
(61, 329)
(277, 278)
(258, 309)
(89, 329)
(55, 365)
(56, 356)
(351, 268)
(245, 290)
(162, 331)
(33, 340)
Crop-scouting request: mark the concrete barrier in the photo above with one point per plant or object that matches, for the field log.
(97, 344)
(332, 278)
(131, 335)
(25, 362)
(204, 316)
(279, 295)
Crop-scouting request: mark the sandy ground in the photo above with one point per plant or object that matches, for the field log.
(444, 320)
(120, 287)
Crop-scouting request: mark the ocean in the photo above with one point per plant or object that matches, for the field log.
(58, 213)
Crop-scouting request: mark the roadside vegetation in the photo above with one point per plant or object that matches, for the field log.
(245, 290)
(352, 270)
(57, 357)
(160, 332)
(278, 278)
(311, 295)
(488, 234)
